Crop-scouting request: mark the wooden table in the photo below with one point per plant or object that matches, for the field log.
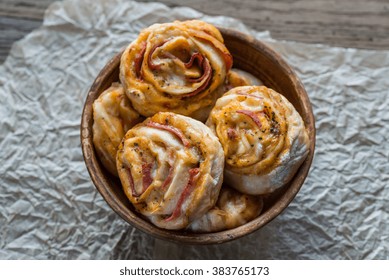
(345, 23)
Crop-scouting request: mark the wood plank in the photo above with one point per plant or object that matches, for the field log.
(357, 23)
(26, 9)
(12, 30)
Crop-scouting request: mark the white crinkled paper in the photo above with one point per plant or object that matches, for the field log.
(49, 208)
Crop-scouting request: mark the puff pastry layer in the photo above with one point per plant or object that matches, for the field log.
(232, 209)
(238, 78)
(264, 138)
(113, 115)
(171, 169)
(178, 67)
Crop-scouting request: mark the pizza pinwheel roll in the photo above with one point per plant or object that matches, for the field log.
(232, 209)
(263, 137)
(237, 78)
(178, 67)
(171, 169)
(113, 115)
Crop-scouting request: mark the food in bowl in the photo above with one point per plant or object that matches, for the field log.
(255, 58)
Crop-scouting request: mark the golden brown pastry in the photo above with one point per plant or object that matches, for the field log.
(232, 209)
(178, 67)
(171, 169)
(113, 115)
(238, 78)
(263, 137)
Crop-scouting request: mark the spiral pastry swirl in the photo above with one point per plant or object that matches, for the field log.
(113, 115)
(263, 137)
(178, 67)
(232, 209)
(238, 78)
(171, 169)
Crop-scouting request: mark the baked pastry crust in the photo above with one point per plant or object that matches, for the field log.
(178, 67)
(237, 78)
(171, 169)
(113, 115)
(232, 210)
(263, 136)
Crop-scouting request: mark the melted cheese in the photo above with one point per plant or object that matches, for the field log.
(176, 67)
(232, 209)
(182, 152)
(113, 115)
(263, 137)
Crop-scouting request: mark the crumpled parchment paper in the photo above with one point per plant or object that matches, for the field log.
(49, 208)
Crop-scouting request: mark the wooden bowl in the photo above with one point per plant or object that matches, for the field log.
(250, 55)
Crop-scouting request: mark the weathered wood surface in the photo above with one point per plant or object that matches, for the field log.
(345, 23)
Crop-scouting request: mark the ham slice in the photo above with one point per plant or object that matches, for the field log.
(221, 48)
(153, 66)
(232, 133)
(146, 179)
(252, 115)
(133, 191)
(139, 60)
(186, 192)
(194, 56)
(171, 129)
(168, 179)
(146, 175)
(206, 76)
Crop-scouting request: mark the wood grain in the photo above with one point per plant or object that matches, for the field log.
(345, 23)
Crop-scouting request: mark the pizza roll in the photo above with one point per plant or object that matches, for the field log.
(263, 136)
(171, 169)
(178, 67)
(113, 115)
(237, 78)
(232, 209)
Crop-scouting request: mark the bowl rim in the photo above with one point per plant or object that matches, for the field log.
(100, 182)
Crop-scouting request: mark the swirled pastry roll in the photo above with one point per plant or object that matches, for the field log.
(238, 78)
(113, 115)
(232, 209)
(263, 136)
(171, 169)
(178, 67)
